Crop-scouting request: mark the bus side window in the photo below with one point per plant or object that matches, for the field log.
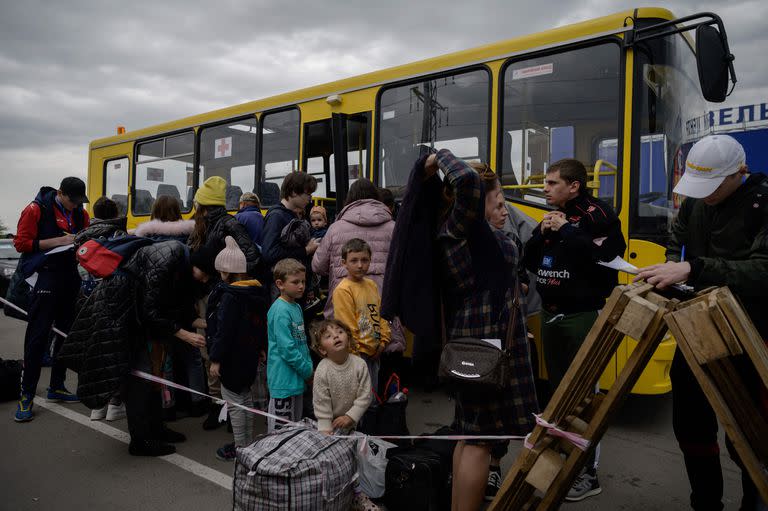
(279, 152)
(164, 167)
(447, 112)
(229, 151)
(116, 183)
(559, 106)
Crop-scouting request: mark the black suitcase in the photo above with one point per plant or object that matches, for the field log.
(415, 479)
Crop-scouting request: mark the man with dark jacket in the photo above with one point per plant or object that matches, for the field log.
(250, 217)
(563, 252)
(295, 194)
(50, 221)
(719, 238)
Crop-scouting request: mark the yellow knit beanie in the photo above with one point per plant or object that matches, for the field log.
(213, 192)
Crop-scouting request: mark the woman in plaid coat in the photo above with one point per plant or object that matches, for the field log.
(479, 274)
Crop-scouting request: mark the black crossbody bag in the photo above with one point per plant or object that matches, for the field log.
(477, 364)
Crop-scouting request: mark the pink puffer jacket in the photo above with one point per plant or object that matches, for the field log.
(367, 219)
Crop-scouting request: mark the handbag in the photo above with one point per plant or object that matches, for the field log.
(478, 363)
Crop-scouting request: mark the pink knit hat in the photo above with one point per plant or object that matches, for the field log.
(231, 259)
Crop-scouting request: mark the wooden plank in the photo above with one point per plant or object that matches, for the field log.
(700, 332)
(723, 326)
(606, 411)
(545, 470)
(745, 330)
(636, 317)
(754, 466)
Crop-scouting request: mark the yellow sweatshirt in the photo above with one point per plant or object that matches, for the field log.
(357, 305)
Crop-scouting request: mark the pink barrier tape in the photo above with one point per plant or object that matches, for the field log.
(168, 383)
(14, 306)
(157, 379)
(552, 429)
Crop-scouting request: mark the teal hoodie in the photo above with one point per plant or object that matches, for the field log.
(288, 360)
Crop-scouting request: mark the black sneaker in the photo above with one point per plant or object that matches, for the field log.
(494, 483)
(585, 485)
(150, 448)
(172, 437)
(212, 421)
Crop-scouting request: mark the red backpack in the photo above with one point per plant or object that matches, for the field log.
(101, 257)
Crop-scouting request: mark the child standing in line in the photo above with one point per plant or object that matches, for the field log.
(357, 304)
(237, 337)
(342, 385)
(289, 364)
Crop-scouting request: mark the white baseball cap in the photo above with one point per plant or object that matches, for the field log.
(709, 162)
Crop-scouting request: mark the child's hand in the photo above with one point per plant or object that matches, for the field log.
(262, 356)
(215, 369)
(327, 432)
(200, 323)
(343, 422)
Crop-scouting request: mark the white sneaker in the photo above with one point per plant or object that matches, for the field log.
(99, 413)
(115, 412)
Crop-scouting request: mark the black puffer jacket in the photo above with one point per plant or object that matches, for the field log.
(102, 229)
(220, 225)
(149, 297)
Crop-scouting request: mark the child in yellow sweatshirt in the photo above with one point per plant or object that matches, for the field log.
(357, 304)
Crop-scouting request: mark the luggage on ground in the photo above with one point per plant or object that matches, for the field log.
(415, 479)
(295, 468)
(10, 376)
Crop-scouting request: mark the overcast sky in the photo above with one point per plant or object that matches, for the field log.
(72, 71)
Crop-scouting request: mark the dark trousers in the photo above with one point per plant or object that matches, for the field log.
(562, 336)
(52, 304)
(695, 425)
(143, 402)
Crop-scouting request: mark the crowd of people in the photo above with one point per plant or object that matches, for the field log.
(228, 305)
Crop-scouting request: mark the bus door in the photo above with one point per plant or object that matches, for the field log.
(336, 153)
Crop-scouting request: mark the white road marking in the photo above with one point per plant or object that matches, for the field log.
(180, 461)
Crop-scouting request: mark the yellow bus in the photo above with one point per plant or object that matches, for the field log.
(620, 93)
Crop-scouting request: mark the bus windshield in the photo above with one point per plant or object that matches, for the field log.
(673, 115)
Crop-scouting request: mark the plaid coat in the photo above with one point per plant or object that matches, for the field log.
(475, 315)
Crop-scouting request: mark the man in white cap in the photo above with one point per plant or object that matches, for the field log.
(719, 238)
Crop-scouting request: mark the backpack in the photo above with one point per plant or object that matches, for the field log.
(295, 468)
(415, 479)
(10, 377)
(102, 257)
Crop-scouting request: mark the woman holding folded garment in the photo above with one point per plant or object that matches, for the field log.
(481, 293)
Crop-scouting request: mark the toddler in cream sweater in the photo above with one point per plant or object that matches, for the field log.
(342, 386)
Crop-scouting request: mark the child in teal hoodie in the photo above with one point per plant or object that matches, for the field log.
(289, 365)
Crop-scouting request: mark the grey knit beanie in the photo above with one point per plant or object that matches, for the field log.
(231, 259)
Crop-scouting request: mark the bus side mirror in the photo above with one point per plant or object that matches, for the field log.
(713, 62)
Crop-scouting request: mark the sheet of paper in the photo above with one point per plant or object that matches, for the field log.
(32, 280)
(619, 264)
(493, 342)
(62, 248)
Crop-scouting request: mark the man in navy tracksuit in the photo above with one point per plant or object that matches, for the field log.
(48, 222)
(563, 253)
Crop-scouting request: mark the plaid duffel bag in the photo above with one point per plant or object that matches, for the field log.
(295, 469)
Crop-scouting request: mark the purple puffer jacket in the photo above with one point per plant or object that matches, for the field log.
(367, 219)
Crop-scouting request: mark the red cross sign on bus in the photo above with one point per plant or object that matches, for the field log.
(223, 147)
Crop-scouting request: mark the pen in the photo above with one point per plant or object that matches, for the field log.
(682, 254)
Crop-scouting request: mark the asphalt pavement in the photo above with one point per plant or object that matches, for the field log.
(63, 461)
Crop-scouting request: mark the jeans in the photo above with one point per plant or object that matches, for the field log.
(242, 421)
(53, 304)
